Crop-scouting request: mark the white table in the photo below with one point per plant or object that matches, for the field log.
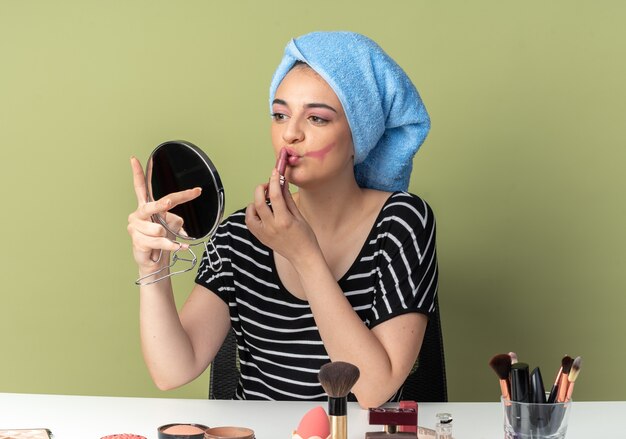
(86, 417)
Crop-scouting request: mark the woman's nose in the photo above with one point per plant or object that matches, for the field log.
(293, 132)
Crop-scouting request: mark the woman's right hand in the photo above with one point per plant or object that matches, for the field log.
(149, 239)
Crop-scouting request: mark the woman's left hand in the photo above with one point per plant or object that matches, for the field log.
(280, 227)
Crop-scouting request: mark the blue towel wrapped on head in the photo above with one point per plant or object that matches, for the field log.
(386, 115)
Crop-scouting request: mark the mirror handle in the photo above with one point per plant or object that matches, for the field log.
(175, 258)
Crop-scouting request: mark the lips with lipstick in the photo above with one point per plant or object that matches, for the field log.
(292, 157)
(289, 156)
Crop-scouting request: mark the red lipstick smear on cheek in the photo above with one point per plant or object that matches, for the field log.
(320, 153)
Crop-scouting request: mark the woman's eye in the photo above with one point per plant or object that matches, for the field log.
(279, 117)
(317, 120)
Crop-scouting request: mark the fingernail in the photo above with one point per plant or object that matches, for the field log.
(199, 189)
(274, 171)
(184, 246)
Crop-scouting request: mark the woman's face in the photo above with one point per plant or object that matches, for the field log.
(308, 120)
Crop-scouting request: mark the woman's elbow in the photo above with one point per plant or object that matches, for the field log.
(373, 400)
(172, 378)
(168, 381)
(164, 385)
(373, 394)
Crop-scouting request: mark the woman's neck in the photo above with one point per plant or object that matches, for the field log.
(327, 208)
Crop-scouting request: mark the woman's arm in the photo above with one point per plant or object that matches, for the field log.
(176, 348)
(384, 355)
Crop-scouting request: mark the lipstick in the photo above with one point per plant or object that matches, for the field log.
(281, 165)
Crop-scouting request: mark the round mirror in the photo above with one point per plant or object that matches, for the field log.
(178, 165)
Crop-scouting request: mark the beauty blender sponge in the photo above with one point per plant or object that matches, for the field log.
(314, 424)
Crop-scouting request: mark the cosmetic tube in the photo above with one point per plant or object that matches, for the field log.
(520, 392)
(537, 389)
(520, 383)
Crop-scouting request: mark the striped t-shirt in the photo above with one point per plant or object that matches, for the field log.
(280, 349)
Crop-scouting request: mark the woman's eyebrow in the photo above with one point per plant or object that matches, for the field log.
(319, 105)
(311, 105)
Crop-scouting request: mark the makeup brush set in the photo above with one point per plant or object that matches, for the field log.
(531, 411)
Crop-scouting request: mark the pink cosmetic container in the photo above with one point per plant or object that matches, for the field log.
(182, 431)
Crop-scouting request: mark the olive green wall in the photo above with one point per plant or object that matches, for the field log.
(522, 166)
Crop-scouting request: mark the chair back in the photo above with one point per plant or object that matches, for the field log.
(224, 373)
(427, 382)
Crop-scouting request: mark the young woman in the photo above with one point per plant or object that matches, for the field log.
(344, 269)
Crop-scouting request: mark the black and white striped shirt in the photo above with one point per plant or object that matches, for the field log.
(279, 346)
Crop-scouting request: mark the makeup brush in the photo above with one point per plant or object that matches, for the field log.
(563, 382)
(560, 384)
(337, 379)
(501, 364)
(571, 377)
(513, 356)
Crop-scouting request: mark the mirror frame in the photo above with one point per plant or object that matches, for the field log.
(217, 182)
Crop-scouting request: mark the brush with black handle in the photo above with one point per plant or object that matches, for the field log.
(566, 362)
(571, 369)
(337, 379)
(561, 392)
